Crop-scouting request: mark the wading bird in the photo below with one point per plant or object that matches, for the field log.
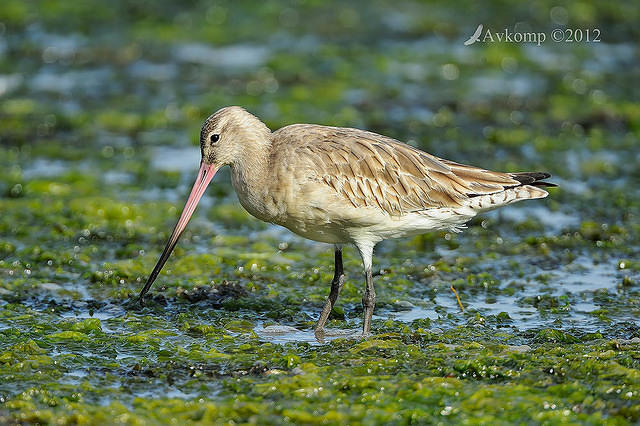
(343, 186)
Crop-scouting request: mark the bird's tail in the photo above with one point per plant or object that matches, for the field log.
(533, 178)
(531, 187)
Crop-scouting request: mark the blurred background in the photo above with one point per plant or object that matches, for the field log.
(100, 110)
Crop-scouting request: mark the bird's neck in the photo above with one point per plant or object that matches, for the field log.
(251, 174)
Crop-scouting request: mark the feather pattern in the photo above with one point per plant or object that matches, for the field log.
(370, 170)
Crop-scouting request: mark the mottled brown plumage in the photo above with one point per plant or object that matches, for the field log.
(342, 185)
(371, 170)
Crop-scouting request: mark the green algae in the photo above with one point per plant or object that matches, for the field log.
(551, 291)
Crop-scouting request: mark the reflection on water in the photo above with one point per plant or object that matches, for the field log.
(282, 334)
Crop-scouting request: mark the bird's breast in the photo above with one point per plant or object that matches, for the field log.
(257, 197)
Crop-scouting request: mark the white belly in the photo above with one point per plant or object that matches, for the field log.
(371, 224)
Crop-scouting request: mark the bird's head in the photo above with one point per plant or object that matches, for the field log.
(229, 136)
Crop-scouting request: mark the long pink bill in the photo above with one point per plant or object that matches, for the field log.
(206, 173)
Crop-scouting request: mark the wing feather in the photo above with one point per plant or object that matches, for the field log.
(373, 170)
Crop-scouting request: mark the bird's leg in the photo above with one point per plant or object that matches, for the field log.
(336, 286)
(368, 302)
(369, 297)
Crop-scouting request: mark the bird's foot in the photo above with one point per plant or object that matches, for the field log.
(366, 334)
(320, 334)
(323, 334)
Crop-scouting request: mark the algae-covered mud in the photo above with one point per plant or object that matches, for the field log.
(100, 108)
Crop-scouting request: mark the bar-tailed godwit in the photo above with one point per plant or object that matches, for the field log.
(344, 186)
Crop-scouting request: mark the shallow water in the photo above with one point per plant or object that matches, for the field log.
(99, 128)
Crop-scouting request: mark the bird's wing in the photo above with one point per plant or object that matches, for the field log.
(368, 169)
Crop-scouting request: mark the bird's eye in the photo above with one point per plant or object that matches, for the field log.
(214, 138)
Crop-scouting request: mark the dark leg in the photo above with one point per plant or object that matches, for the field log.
(336, 286)
(369, 297)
